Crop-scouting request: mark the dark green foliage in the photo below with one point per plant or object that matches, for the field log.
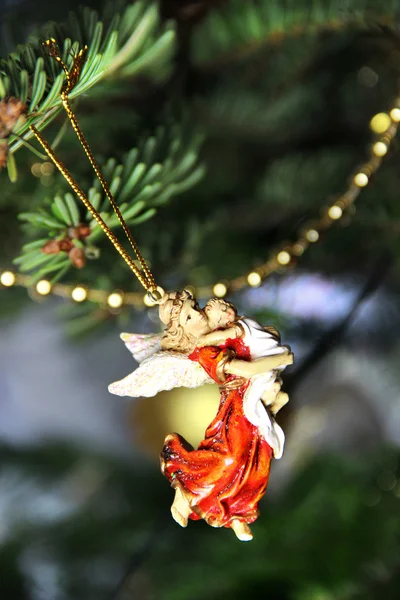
(330, 534)
(282, 92)
(241, 28)
(163, 165)
(125, 43)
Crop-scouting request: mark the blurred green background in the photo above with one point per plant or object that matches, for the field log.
(249, 119)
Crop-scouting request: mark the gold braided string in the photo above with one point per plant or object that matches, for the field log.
(81, 195)
(71, 80)
(145, 276)
(384, 124)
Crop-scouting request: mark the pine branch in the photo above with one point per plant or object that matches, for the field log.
(162, 166)
(239, 29)
(122, 44)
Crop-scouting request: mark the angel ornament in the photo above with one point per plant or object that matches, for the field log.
(223, 480)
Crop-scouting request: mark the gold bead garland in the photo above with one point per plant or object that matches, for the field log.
(384, 125)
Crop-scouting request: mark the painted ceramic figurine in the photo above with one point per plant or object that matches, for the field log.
(223, 480)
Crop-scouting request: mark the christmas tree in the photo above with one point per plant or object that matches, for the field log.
(238, 139)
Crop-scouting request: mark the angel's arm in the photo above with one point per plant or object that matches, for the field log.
(247, 369)
(215, 338)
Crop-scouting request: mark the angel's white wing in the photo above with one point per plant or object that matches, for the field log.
(161, 371)
(142, 345)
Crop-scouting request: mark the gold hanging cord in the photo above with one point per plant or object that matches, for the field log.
(145, 276)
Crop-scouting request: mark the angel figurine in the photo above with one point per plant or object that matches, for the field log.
(260, 341)
(223, 480)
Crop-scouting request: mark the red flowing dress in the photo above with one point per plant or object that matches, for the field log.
(226, 477)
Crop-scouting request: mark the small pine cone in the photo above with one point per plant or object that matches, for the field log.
(80, 232)
(3, 153)
(11, 111)
(66, 245)
(52, 247)
(77, 257)
(84, 231)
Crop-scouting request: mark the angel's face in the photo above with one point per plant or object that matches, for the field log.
(193, 319)
(219, 313)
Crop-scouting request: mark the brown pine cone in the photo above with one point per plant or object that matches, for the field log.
(77, 257)
(3, 153)
(80, 232)
(52, 247)
(66, 244)
(11, 111)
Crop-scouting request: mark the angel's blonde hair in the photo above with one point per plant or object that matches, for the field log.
(174, 336)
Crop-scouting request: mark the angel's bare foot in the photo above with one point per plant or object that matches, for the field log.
(180, 508)
(281, 399)
(242, 530)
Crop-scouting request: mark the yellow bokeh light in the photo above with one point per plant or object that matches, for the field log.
(380, 123)
(254, 279)
(312, 235)
(79, 294)
(7, 278)
(395, 114)
(45, 180)
(283, 257)
(43, 287)
(335, 212)
(115, 300)
(380, 149)
(35, 169)
(220, 290)
(46, 168)
(361, 179)
(298, 249)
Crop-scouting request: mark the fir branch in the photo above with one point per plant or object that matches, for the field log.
(161, 166)
(122, 44)
(239, 29)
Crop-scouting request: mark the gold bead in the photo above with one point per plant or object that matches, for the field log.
(220, 290)
(43, 287)
(380, 149)
(115, 300)
(335, 212)
(283, 257)
(395, 115)
(361, 179)
(79, 294)
(380, 123)
(7, 278)
(254, 279)
(312, 235)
